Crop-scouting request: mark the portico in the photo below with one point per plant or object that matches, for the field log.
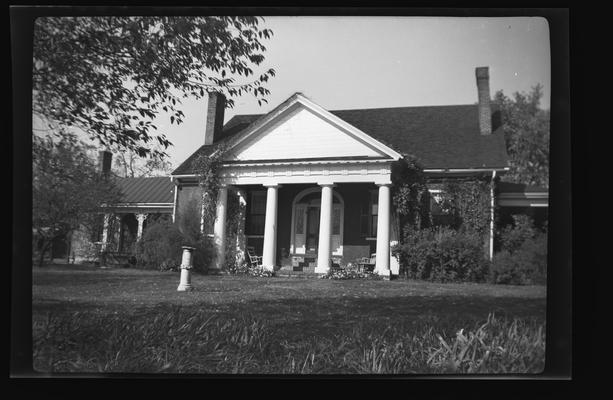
(316, 201)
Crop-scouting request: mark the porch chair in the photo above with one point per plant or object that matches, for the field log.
(254, 260)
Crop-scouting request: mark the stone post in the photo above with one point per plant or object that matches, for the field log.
(185, 284)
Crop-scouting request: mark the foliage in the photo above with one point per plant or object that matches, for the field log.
(128, 164)
(526, 131)
(161, 248)
(410, 196)
(194, 341)
(523, 258)
(208, 168)
(67, 189)
(443, 255)
(112, 76)
(350, 273)
(468, 202)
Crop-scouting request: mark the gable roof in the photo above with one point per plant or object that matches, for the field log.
(440, 137)
(146, 190)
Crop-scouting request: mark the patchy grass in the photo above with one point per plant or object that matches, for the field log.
(122, 320)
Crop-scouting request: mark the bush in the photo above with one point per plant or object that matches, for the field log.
(523, 263)
(442, 255)
(161, 248)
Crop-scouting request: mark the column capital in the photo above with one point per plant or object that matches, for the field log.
(383, 184)
(271, 185)
(324, 184)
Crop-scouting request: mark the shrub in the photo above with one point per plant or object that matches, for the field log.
(161, 248)
(442, 254)
(525, 265)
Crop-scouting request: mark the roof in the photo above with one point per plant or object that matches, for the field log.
(146, 190)
(440, 137)
(510, 187)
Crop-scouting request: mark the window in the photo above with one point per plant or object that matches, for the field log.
(257, 213)
(369, 217)
(438, 209)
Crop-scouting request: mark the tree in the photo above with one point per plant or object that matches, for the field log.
(526, 132)
(67, 189)
(112, 76)
(128, 164)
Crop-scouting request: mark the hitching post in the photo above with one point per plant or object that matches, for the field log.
(186, 270)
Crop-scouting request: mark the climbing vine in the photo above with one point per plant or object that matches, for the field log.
(468, 203)
(410, 195)
(208, 168)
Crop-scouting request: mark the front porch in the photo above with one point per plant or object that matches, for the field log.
(308, 227)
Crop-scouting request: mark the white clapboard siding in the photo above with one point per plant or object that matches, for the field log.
(302, 134)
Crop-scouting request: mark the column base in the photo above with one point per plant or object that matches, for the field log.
(270, 268)
(185, 288)
(385, 274)
(321, 270)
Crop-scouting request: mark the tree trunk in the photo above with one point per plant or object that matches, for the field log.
(43, 251)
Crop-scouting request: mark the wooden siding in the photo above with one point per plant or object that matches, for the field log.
(301, 134)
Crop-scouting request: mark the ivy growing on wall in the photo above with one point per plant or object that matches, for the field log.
(208, 170)
(468, 201)
(410, 196)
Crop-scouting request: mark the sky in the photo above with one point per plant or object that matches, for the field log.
(373, 62)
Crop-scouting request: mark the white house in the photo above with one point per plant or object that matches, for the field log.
(316, 182)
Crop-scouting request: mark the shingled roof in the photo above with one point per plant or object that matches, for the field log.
(146, 190)
(440, 137)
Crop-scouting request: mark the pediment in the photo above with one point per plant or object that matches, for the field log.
(305, 131)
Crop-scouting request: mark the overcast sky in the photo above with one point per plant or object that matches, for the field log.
(372, 62)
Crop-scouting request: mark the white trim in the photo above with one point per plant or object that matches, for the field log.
(311, 174)
(141, 205)
(463, 170)
(298, 98)
(302, 162)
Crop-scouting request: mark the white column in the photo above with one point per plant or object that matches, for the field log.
(325, 230)
(141, 220)
(382, 266)
(492, 210)
(105, 231)
(219, 229)
(269, 253)
(240, 231)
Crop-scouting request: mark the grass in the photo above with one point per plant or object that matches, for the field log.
(121, 320)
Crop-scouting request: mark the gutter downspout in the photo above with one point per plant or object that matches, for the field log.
(492, 202)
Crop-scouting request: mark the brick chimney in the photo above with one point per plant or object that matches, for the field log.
(214, 117)
(483, 90)
(104, 162)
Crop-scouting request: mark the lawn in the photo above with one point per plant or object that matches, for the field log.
(121, 320)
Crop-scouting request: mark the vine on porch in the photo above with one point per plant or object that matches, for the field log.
(410, 196)
(208, 168)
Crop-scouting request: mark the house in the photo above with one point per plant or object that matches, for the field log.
(143, 200)
(315, 183)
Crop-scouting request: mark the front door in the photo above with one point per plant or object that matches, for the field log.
(312, 234)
